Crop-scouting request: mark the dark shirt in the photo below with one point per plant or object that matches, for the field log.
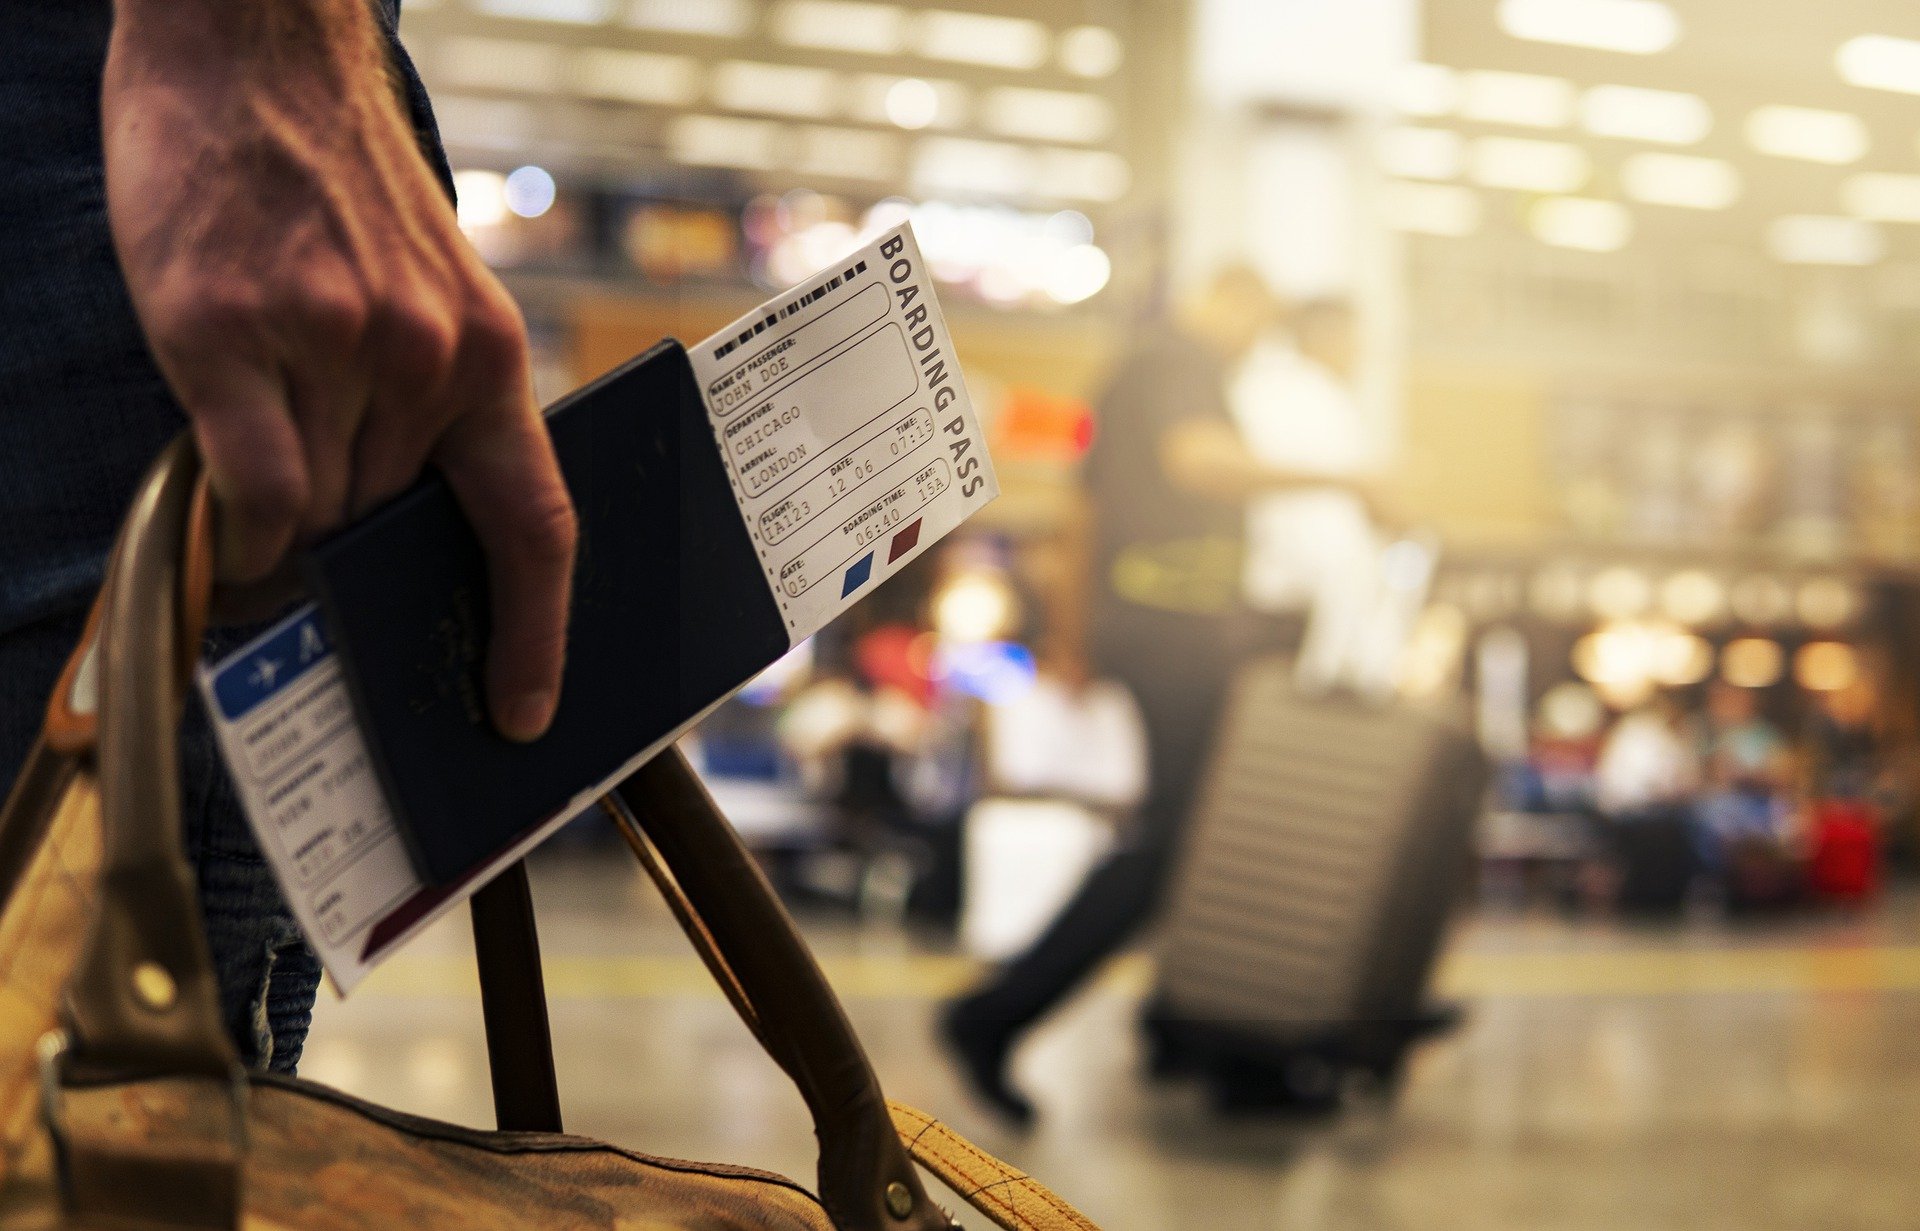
(1166, 560)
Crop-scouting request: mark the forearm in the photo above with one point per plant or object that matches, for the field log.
(337, 40)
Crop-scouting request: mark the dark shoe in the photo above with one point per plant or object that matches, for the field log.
(981, 1053)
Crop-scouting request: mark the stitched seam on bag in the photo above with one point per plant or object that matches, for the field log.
(514, 1143)
(1009, 1178)
(1009, 1175)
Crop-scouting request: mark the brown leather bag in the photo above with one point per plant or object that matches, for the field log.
(122, 1104)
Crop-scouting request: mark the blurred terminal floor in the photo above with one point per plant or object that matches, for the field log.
(1697, 1077)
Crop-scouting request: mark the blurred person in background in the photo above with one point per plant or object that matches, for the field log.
(1745, 812)
(1313, 548)
(1169, 478)
(1645, 782)
(234, 217)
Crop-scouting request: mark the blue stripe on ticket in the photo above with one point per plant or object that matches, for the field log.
(271, 665)
(857, 575)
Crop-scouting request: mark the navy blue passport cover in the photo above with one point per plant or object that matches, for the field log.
(671, 612)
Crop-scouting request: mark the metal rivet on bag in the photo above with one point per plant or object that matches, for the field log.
(154, 986)
(899, 1200)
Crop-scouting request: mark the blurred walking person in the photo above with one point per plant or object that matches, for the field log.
(1168, 477)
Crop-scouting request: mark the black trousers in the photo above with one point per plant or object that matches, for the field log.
(1178, 670)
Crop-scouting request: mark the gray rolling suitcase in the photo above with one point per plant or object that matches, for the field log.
(1329, 844)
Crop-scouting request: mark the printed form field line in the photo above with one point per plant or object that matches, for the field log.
(792, 349)
(777, 530)
(876, 506)
(784, 437)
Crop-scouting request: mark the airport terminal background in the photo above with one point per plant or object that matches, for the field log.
(1612, 303)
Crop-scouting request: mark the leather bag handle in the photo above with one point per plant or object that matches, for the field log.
(143, 995)
(723, 900)
(729, 917)
(141, 1000)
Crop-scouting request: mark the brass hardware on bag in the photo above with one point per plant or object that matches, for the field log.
(155, 987)
(48, 1053)
(51, 1053)
(899, 1200)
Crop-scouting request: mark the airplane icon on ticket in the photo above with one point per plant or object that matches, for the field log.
(265, 672)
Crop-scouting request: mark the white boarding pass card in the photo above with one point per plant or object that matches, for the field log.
(844, 426)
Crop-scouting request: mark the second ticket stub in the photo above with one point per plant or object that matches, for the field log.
(846, 429)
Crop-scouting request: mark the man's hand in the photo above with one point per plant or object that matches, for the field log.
(305, 289)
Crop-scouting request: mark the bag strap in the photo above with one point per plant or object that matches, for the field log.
(513, 1003)
(865, 1180)
(143, 994)
(141, 1000)
(748, 941)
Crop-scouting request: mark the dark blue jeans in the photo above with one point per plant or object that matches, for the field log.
(83, 410)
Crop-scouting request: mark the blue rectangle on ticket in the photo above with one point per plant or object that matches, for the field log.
(273, 664)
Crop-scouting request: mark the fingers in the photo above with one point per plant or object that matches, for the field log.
(254, 461)
(500, 463)
(327, 409)
(411, 356)
(326, 319)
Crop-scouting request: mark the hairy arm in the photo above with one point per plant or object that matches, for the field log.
(305, 289)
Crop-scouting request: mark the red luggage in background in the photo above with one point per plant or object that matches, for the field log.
(1845, 864)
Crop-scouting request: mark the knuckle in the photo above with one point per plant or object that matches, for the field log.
(495, 339)
(199, 314)
(418, 338)
(335, 318)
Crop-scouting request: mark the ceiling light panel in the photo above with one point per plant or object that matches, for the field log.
(1423, 153)
(1090, 51)
(567, 12)
(982, 38)
(1046, 115)
(1432, 209)
(1667, 117)
(876, 98)
(725, 141)
(1637, 27)
(1082, 175)
(1527, 165)
(501, 64)
(644, 77)
(1680, 180)
(841, 25)
(1430, 90)
(962, 165)
(1882, 197)
(1810, 239)
(1808, 134)
(488, 122)
(1581, 223)
(848, 153)
(1525, 100)
(779, 89)
(714, 18)
(1880, 62)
